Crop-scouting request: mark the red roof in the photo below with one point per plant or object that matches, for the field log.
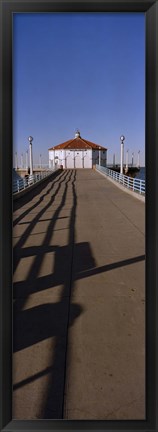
(77, 143)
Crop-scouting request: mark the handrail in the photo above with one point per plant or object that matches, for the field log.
(23, 183)
(134, 184)
(117, 165)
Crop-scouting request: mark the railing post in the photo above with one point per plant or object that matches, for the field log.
(137, 185)
(140, 186)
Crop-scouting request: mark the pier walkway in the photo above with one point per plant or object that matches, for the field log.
(79, 300)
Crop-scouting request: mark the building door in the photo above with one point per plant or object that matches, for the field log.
(78, 159)
(69, 163)
(87, 155)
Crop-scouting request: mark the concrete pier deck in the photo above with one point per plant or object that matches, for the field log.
(79, 301)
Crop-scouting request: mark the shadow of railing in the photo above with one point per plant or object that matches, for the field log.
(49, 320)
(52, 320)
(34, 193)
(17, 249)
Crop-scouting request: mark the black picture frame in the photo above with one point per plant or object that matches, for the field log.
(150, 8)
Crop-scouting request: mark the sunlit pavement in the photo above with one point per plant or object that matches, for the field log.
(79, 301)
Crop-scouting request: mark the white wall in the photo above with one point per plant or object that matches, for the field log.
(76, 158)
(51, 158)
(59, 157)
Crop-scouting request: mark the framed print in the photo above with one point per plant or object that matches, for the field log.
(78, 254)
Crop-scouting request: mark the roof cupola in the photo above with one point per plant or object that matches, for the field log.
(77, 134)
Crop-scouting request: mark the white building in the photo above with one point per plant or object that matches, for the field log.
(77, 153)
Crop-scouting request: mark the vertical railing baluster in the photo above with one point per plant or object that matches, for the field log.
(137, 185)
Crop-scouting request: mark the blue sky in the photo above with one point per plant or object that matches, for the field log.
(79, 70)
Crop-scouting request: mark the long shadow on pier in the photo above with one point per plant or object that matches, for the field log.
(34, 193)
(18, 248)
(49, 320)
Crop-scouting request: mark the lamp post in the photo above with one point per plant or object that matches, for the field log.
(132, 158)
(99, 156)
(122, 138)
(52, 160)
(26, 160)
(65, 159)
(16, 161)
(22, 163)
(40, 160)
(114, 160)
(138, 164)
(126, 161)
(30, 138)
(83, 158)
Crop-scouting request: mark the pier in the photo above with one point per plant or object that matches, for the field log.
(79, 300)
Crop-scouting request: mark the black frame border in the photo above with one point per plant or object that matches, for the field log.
(150, 8)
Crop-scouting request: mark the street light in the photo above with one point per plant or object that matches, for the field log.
(122, 138)
(40, 161)
(138, 164)
(26, 160)
(83, 157)
(30, 138)
(126, 161)
(132, 158)
(22, 162)
(16, 161)
(99, 156)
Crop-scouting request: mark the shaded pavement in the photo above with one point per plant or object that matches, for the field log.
(79, 287)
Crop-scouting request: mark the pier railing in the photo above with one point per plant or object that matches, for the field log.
(23, 183)
(134, 184)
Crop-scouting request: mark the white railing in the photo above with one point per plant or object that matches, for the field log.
(35, 166)
(134, 184)
(23, 183)
(41, 166)
(117, 165)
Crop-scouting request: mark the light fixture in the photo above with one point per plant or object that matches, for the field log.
(30, 138)
(122, 138)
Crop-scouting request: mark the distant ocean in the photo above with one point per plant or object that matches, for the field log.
(141, 174)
